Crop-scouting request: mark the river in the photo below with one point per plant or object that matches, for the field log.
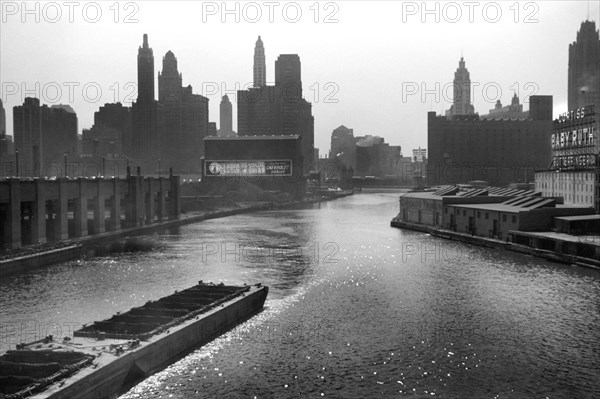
(356, 309)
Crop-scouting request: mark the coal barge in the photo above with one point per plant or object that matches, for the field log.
(107, 357)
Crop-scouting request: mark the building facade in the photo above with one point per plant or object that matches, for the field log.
(468, 148)
(148, 123)
(260, 66)
(273, 163)
(575, 170)
(584, 68)
(226, 118)
(279, 109)
(43, 136)
(461, 92)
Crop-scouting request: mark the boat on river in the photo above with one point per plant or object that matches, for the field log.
(107, 357)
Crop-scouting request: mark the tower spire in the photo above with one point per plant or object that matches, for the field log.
(260, 68)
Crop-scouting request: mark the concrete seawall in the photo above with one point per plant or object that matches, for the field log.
(494, 243)
(78, 247)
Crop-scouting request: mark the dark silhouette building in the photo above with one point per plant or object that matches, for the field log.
(226, 115)
(148, 122)
(212, 129)
(3, 137)
(462, 92)
(467, 148)
(111, 133)
(343, 147)
(279, 109)
(186, 120)
(375, 157)
(273, 163)
(59, 133)
(2, 120)
(260, 67)
(43, 135)
(27, 126)
(584, 68)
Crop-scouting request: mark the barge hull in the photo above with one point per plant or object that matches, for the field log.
(117, 374)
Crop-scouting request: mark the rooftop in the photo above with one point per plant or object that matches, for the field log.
(242, 138)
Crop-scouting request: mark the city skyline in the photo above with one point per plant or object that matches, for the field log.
(364, 61)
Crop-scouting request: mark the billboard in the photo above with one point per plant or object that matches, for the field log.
(248, 168)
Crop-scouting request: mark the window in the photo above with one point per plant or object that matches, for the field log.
(514, 219)
(487, 215)
(464, 212)
(504, 218)
(478, 215)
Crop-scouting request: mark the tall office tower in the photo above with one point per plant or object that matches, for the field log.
(111, 133)
(288, 75)
(260, 67)
(147, 114)
(226, 126)
(462, 92)
(584, 68)
(186, 120)
(2, 121)
(27, 125)
(3, 139)
(43, 135)
(145, 72)
(169, 80)
(59, 133)
(279, 109)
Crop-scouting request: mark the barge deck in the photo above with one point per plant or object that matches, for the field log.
(109, 356)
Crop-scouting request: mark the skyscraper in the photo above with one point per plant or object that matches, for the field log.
(288, 75)
(27, 124)
(279, 109)
(584, 68)
(169, 79)
(260, 67)
(147, 114)
(462, 92)
(186, 120)
(2, 121)
(43, 135)
(3, 138)
(226, 126)
(145, 66)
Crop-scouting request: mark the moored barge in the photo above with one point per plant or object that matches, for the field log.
(109, 356)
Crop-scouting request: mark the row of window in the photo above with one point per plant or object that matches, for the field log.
(487, 215)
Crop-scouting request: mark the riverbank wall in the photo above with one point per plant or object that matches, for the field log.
(88, 246)
(494, 243)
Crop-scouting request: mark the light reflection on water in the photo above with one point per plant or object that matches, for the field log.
(352, 312)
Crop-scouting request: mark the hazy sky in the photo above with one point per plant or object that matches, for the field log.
(364, 64)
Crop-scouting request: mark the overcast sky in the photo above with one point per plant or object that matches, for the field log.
(364, 64)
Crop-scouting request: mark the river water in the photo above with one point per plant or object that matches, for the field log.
(356, 309)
